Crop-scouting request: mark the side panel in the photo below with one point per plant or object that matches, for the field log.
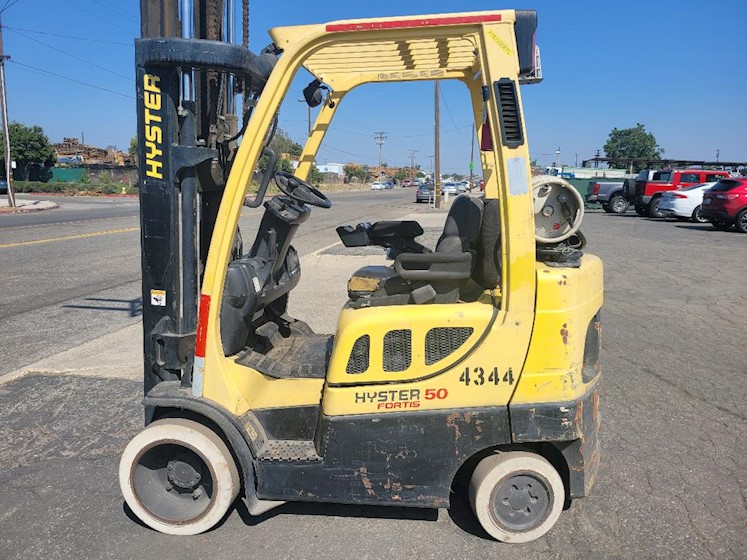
(387, 459)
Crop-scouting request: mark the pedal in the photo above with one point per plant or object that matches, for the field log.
(289, 451)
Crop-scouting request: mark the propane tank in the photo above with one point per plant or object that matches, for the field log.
(558, 209)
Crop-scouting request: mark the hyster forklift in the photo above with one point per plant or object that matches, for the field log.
(474, 360)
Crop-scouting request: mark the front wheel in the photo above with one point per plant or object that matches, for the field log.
(178, 477)
(516, 496)
(641, 210)
(697, 217)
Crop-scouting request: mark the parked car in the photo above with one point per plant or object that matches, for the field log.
(449, 188)
(609, 194)
(725, 204)
(648, 193)
(685, 203)
(406, 183)
(388, 185)
(424, 193)
(629, 186)
(378, 186)
(3, 187)
(463, 186)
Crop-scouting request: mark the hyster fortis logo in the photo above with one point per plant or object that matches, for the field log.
(153, 130)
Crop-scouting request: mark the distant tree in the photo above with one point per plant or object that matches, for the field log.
(284, 165)
(401, 174)
(281, 143)
(356, 171)
(632, 143)
(133, 146)
(29, 145)
(419, 174)
(316, 176)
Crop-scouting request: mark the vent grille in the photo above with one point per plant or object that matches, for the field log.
(443, 341)
(508, 112)
(397, 350)
(358, 360)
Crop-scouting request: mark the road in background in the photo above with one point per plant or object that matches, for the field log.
(673, 467)
(73, 273)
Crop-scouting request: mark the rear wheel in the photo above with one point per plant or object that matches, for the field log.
(516, 496)
(641, 210)
(606, 207)
(653, 208)
(617, 204)
(696, 217)
(741, 221)
(178, 477)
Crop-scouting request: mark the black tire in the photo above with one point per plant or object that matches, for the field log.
(741, 221)
(697, 218)
(617, 204)
(653, 208)
(641, 210)
(606, 208)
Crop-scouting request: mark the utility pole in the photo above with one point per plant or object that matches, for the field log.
(6, 132)
(596, 159)
(437, 134)
(379, 138)
(412, 163)
(472, 158)
(718, 153)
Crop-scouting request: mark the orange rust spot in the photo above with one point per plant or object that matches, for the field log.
(564, 333)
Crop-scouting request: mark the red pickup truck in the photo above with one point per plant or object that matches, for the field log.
(648, 193)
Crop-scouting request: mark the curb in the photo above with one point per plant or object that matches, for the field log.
(26, 210)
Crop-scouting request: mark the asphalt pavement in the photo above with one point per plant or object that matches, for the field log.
(673, 476)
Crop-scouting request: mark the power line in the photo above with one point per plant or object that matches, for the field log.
(128, 31)
(71, 55)
(94, 86)
(8, 4)
(68, 36)
(449, 111)
(115, 11)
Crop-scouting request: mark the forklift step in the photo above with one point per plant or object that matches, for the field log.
(286, 450)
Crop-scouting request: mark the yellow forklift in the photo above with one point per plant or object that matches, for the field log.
(479, 356)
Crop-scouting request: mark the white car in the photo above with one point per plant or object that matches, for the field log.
(377, 186)
(684, 203)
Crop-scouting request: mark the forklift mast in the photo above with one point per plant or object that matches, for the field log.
(189, 72)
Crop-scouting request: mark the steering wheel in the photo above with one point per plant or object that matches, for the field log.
(300, 190)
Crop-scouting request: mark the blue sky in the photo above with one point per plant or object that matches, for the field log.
(679, 67)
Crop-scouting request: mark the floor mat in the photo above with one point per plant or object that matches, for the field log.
(299, 355)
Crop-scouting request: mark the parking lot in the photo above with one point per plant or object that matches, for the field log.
(673, 477)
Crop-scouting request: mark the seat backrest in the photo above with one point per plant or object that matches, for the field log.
(487, 270)
(462, 227)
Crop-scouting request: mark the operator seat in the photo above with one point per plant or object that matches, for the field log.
(466, 262)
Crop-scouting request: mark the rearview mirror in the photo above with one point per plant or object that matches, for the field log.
(312, 93)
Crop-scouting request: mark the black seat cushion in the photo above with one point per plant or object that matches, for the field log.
(487, 271)
(462, 226)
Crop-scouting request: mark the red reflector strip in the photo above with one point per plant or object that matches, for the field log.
(403, 23)
(202, 324)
